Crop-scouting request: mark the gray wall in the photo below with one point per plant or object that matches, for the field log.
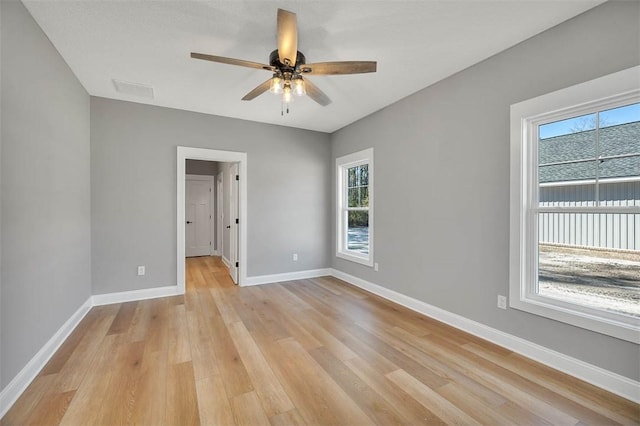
(46, 259)
(133, 191)
(442, 179)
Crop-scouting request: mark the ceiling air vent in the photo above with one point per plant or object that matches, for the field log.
(133, 89)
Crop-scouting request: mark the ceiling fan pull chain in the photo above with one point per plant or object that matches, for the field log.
(282, 108)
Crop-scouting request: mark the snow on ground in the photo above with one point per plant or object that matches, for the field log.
(606, 280)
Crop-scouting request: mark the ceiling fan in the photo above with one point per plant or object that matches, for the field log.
(289, 65)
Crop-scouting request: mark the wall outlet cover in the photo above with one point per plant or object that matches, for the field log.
(502, 302)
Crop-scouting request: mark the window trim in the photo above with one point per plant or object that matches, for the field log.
(342, 165)
(606, 92)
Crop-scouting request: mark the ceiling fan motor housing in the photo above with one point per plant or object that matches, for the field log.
(274, 61)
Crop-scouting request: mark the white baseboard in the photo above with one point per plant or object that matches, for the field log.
(225, 261)
(287, 276)
(130, 296)
(21, 381)
(597, 376)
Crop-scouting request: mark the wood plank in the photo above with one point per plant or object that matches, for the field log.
(182, 399)
(248, 411)
(122, 391)
(140, 322)
(327, 339)
(213, 404)
(410, 345)
(400, 359)
(426, 396)
(157, 332)
(267, 387)
(82, 358)
(26, 404)
(364, 396)
(89, 398)
(50, 409)
(227, 311)
(231, 368)
(152, 389)
(472, 405)
(290, 418)
(479, 370)
(316, 396)
(179, 343)
(203, 355)
(60, 358)
(124, 318)
(412, 411)
(549, 391)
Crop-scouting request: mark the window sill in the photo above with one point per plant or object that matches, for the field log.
(583, 318)
(367, 261)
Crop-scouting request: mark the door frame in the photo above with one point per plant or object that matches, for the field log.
(212, 231)
(187, 153)
(219, 214)
(233, 213)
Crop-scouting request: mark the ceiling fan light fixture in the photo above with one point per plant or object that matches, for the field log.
(286, 94)
(277, 85)
(298, 86)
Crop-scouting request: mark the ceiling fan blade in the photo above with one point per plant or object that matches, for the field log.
(287, 37)
(346, 67)
(257, 91)
(231, 61)
(316, 94)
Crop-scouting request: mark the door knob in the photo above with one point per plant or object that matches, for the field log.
(228, 226)
(189, 222)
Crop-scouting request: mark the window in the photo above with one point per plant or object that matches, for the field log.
(575, 205)
(355, 207)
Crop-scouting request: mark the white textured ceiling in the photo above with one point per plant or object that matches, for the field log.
(416, 43)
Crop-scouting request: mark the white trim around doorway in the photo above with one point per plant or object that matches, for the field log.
(187, 153)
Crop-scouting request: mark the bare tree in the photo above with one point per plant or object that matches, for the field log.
(588, 122)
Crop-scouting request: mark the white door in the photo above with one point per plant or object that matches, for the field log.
(198, 217)
(233, 221)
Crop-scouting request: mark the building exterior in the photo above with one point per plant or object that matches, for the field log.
(583, 169)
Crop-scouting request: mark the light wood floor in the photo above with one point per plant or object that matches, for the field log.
(303, 352)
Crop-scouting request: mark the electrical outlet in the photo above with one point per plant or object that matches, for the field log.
(375, 266)
(295, 257)
(502, 302)
(141, 270)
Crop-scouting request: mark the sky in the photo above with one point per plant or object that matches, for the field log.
(612, 117)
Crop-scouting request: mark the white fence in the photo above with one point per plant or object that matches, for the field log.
(617, 231)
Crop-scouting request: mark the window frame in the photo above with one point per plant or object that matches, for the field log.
(343, 164)
(600, 94)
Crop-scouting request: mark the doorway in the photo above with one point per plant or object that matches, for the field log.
(238, 230)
